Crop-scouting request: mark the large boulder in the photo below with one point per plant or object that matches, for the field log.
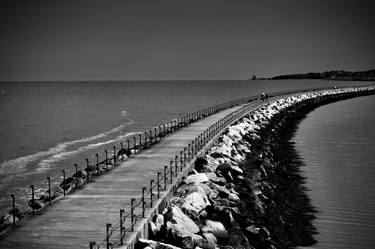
(212, 162)
(227, 141)
(191, 242)
(238, 239)
(223, 150)
(216, 179)
(234, 135)
(210, 239)
(220, 213)
(196, 178)
(223, 191)
(239, 128)
(179, 223)
(210, 193)
(200, 162)
(195, 202)
(241, 148)
(216, 228)
(185, 189)
(236, 170)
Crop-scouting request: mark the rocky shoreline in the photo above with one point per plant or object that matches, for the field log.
(246, 192)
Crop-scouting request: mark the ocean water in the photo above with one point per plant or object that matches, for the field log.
(337, 145)
(48, 126)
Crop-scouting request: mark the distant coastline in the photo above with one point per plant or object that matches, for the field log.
(368, 75)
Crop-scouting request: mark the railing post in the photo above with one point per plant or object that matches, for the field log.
(171, 170)
(151, 183)
(145, 138)
(97, 163)
(127, 140)
(158, 182)
(122, 228)
(155, 138)
(13, 210)
(108, 226)
(132, 200)
(88, 172)
(202, 140)
(63, 171)
(114, 156)
(192, 149)
(106, 159)
(92, 244)
(32, 198)
(165, 177)
(175, 165)
(140, 142)
(189, 152)
(49, 190)
(87, 167)
(143, 201)
(164, 129)
(135, 144)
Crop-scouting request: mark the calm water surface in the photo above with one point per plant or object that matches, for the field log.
(337, 144)
(46, 127)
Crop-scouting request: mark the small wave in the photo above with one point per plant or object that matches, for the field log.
(46, 164)
(18, 165)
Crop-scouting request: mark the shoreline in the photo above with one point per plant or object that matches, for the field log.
(242, 193)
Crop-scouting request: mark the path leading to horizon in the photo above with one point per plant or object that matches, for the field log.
(81, 217)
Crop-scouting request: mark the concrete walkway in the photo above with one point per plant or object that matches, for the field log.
(80, 217)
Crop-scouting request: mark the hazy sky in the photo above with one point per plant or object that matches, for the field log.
(182, 39)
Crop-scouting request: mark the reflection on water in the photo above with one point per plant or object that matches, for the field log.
(337, 144)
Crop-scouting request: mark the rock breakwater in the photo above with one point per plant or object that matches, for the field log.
(246, 191)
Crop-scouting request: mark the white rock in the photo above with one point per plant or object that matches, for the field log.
(237, 170)
(234, 135)
(180, 223)
(216, 228)
(227, 141)
(233, 197)
(197, 178)
(195, 202)
(211, 239)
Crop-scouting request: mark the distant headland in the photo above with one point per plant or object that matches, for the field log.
(368, 75)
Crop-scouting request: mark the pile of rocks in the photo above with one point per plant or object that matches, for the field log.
(224, 201)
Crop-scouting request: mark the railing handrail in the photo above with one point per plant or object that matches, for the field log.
(153, 135)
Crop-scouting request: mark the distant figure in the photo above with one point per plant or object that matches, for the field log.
(263, 97)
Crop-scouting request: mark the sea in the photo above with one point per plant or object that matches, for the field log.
(337, 145)
(46, 127)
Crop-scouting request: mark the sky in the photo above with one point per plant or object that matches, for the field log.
(182, 39)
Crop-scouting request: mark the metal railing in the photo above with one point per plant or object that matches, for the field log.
(47, 193)
(57, 186)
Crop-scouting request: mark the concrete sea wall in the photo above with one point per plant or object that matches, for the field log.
(245, 192)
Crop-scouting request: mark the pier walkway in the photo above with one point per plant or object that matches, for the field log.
(82, 217)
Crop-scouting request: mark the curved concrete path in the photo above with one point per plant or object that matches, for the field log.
(80, 217)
